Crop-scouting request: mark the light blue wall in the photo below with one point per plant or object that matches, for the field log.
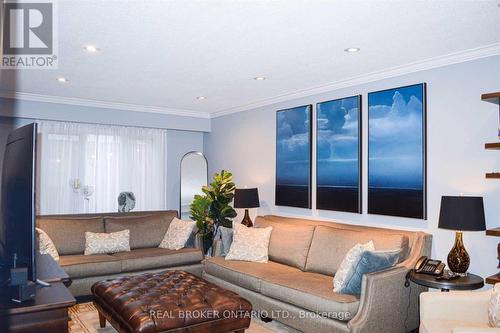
(458, 125)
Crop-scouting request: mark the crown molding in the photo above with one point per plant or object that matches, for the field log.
(441, 61)
(102, 104)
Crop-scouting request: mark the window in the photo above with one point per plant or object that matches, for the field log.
(82, 168)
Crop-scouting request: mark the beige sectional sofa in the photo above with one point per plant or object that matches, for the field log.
(147, 230)
(296, 285)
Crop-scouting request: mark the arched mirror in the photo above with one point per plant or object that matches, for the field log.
(194, 175)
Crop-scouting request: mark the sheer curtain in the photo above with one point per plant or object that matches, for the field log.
(84, 167)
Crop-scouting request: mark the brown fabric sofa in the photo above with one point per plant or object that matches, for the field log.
(147, 230)
(296, 286)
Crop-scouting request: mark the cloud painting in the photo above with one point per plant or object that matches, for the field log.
(338, 149)
(396, 144)
(293, 157)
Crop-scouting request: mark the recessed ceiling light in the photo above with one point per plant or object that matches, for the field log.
(259, 78)
(201, 98)
(352, 49)
(91, 48)
(62, 80)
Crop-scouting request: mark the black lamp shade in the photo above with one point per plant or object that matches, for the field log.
(246, 198)
(462, 213)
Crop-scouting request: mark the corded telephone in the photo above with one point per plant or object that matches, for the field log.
(429, 266)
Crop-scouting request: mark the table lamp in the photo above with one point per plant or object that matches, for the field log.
(461, 213)
(246, 198)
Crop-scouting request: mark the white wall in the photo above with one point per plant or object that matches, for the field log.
(458, 125)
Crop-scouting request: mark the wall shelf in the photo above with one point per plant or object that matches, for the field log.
(493, 279)
(495, 99)
(493, 175)
(491, 97)
(492, 145)
(493, 232)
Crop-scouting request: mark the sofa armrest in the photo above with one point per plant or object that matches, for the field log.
(386, 302)
(467, 306)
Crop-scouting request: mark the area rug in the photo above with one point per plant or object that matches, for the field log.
(84, 319)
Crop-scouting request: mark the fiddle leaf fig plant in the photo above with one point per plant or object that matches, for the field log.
(212, 208)
(221, 194)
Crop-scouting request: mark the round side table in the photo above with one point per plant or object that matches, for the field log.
(468, 282)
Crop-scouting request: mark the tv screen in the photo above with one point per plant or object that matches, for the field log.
(17, 215)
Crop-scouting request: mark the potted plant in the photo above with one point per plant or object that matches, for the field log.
(212, 209)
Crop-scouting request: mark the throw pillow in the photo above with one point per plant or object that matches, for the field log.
(227, 239)
(370, 261)
(177, 234)
(46, 245)
(494, 307)
(250, 244)
(346, 269)
(103, 243)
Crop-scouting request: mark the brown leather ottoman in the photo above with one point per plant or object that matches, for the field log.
(171, 301)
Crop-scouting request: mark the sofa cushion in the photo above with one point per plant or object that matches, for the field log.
(311, 291)
(68, 234)
(330, 245)
(244, 273)
(80, 266)
(45, 245)
(145, 231)
(103, 243)
(289, 243)
(152, 258)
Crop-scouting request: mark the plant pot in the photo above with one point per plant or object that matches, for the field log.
(208, 240)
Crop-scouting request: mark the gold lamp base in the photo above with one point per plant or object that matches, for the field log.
(458, 258)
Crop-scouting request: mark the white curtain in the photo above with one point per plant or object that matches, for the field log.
(82, 168)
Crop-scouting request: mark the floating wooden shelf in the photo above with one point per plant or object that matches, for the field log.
(493, 175)
(492, 145)
(493, 232)
(493, 279)
(491, 97)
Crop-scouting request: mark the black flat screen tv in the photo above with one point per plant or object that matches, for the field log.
(17, 214)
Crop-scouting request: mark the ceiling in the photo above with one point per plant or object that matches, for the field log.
(160, 56)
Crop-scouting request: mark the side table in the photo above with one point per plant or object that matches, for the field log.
(468, 282)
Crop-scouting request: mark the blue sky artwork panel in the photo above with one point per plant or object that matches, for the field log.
(338, 178)
(293, 157)
(396, 152)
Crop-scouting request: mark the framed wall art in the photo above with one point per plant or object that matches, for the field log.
(338, 155)
(397, 152)
(293, 157)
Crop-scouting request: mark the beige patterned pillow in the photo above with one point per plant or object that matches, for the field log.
(102, 243)
(350, 261)
(177, 234)
(494, 307)
(250, 244)
(46, 245)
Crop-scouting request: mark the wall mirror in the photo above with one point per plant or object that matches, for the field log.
(194, 175)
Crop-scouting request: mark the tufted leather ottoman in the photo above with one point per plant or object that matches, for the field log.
(171, 301)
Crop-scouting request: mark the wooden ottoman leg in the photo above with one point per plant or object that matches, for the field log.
(102, 320)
